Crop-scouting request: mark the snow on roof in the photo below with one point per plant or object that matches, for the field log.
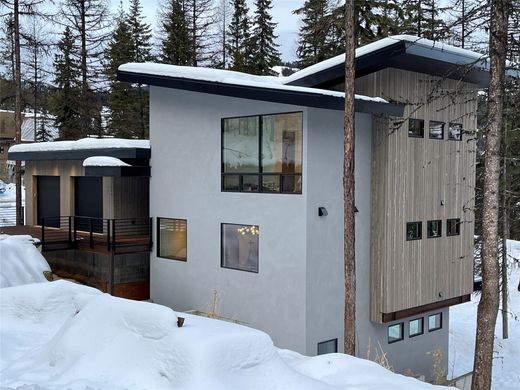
(468, 55)
(82, 144)
(104, 161)
(230, 77)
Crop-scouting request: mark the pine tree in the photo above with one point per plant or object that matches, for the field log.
(314, 34)
(266, 54)
(423, 18)
(43, 133)
(120, 100)
(66, 102)
(175, 44)
(238, 38)
(200, 20)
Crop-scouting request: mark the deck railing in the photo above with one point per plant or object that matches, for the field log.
(112, 235)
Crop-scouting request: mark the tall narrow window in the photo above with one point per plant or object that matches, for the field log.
(416, 327)
(415, 128)
(413, 231)
(172, 238)
(453, 227)
(434, 229)
(240, 247)
(455, 131)
(436, 130)
(262, 153)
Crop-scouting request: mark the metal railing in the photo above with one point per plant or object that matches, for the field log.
(113, 235)
(8, 215)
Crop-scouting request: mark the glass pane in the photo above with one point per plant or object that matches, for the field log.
(330, 346)
(413, 231)
(282, 143)
(173, 238)
(415, 128)
(453, 227)
(416, 327)
(271, 183)
(436, 130)
(292, 184)
(395, 332)
(250, 183)
(240, 247)
(455, 131)
(434, 229)
(434, 322)
(240, 142)
(231, 182)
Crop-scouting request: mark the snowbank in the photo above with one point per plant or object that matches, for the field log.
(61, 335)
(20, 261)
(8, 193)
(104, 161)
(506, 368)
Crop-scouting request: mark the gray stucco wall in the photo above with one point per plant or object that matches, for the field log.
(185, 183)
(297, 296)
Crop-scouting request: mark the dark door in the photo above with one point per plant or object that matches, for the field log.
(88, 203)
(48, 200)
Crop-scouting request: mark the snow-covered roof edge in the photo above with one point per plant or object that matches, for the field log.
(81, 144)
(104, 161)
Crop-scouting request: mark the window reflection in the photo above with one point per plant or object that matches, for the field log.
(240, 247)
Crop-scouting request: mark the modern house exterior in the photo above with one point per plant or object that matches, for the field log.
(246, 193)
(87, 201)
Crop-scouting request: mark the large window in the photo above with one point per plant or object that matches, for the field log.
(262, 153)
(172, 238)
(240, 247)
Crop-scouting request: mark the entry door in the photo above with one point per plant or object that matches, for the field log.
(88, 203)
(48, 200)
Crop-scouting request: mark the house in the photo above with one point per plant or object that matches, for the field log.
(7, 135)
(87, 201)
(246, 194)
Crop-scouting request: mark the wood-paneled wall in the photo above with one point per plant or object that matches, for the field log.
(420, 179)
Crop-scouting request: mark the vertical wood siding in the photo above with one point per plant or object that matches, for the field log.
(420, 179)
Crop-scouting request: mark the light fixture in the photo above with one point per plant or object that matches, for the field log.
(322, 212)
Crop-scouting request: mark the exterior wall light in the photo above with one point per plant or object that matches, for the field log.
(322, 212)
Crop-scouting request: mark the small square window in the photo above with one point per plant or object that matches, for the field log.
(329, 346)
(416, 327)
(453, 227)
(415, 128)
(434, 229)
(240, 247)
(172, 238)
(434, 322)
(395, 333)
(413, 231)
(455, 131)
(436, 130)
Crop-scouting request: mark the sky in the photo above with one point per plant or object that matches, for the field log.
(287, 29)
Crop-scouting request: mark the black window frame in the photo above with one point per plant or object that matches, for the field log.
(222, 248)
(420, 231)
(401, 326)
(449, 133)
(422, 128)
(440, 322)
(430, 129)
(326, 342)
(457, 224)
(158, 239)
(428, 235)
(421, 320)
(260, 172)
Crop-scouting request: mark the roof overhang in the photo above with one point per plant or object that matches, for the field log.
(117, 171)
(80, 154)
(262, 93)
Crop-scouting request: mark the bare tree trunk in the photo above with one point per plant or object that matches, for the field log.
(505, 236)
(489, 301)
(348, 184)
(18, 111)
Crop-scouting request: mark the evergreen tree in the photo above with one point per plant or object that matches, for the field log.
(314, 34)
(121, 96)
(266, 54)
(175, 44)
(423, 18)
(200, 19)
(238, 38)
(66, 102)
(43, 133)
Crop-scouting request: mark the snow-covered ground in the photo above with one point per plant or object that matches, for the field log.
(506, 364)
(61, 335)
(8, 203)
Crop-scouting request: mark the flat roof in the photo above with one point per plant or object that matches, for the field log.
(242, 85)
(81, 149)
